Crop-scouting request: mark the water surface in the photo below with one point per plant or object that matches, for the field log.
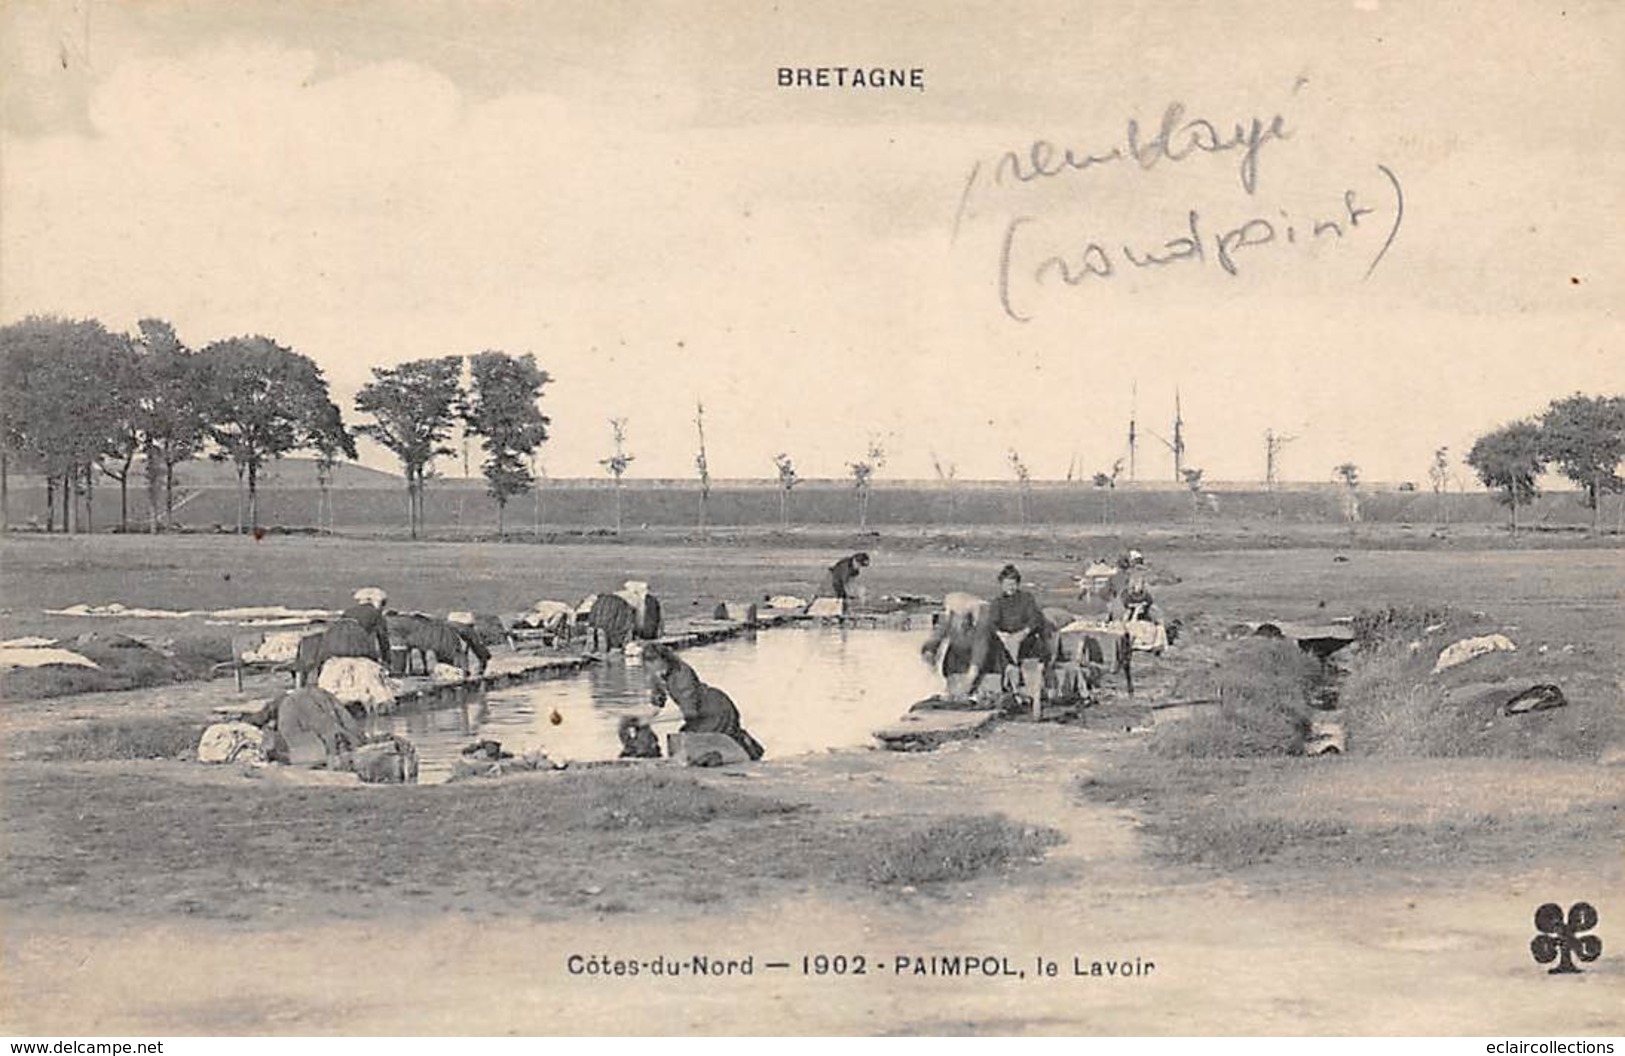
(798, 689)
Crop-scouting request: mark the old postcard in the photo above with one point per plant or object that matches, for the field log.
(717, 518)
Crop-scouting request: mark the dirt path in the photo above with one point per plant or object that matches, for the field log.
(1445, 952)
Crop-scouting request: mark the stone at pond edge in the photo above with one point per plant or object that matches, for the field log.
(943, 703)
(924, 730)
(705, 749)
(230, 742)
(1325, 738)
(387, 761)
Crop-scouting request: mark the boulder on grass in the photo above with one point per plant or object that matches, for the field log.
(1472, 648)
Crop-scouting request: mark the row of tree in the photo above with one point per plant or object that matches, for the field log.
(1582, 437)
(417, 406)
(79, 402)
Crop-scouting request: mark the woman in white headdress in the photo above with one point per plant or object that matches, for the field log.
(368, 613)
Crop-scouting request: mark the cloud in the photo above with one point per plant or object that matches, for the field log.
(656, 229)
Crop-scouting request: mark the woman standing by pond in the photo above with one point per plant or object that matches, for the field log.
(706, 709)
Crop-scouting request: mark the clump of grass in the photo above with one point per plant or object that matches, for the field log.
(199, 655)
(1394, 704)
(1393, 708)
(123, 664)
(646, 799)
(56, 680)
(166, 738)
(1234, 840)
(953, 848)
(1373, 627)
(1263, 689)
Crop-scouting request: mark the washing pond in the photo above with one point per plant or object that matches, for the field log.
(799, 689)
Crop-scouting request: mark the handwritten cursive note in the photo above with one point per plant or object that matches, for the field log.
(1225, 246)
(1044, 247)
(1176, 139)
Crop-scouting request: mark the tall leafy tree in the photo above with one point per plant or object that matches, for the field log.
(126, 379)
(14, 409)
(1510, 461)
(171, 413)
(58, 408)
(501, 409)
(414, 409)
(262, 400)
(1584, 436)
(332, 441)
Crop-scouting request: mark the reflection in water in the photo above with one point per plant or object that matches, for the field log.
(799, 690)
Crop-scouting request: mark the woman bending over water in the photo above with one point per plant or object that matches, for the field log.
(706, 709)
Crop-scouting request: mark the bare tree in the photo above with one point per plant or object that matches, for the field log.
(1439, 477)
(946, 472)
(787, 481)
(702, 465)
(1349, 474)
(617, 464)
(1193, 484)
(1106, 483)
(538, 472)
(1024, 481)
(863, 473)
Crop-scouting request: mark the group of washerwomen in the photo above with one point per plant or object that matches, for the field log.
(362, 630)
(706, 708)
(634, 615)
(1012, 628)
(978, 637)
(1009, 629)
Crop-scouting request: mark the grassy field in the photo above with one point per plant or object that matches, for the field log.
(1561, 606)
(1232, 570)
(1439, 789)
(604, 842)
(366, 501)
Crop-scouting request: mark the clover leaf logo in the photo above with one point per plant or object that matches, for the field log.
(1562, 940)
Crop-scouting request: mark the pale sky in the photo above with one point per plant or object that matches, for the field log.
(624, 191)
